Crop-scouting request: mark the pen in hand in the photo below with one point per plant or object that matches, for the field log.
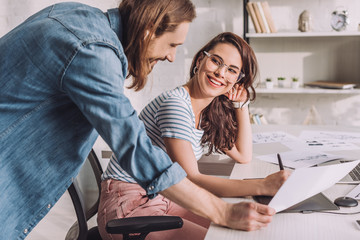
(280, 162)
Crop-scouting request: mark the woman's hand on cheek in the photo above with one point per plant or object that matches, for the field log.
(237, 93)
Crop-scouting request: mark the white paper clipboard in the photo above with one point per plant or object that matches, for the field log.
(306, 182)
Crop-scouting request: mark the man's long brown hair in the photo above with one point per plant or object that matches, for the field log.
(141, 20)
(218, 119)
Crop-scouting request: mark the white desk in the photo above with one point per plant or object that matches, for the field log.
(293, 226)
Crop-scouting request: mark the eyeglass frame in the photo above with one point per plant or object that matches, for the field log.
(241, 74)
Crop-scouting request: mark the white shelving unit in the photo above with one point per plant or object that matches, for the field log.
(302, 90)
(301, 45)
(321, 54)
(302, 34)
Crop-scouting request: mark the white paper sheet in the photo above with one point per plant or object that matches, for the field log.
(348, 137)
(306, 182)
(269, 137)
(299, 159)
(322, 145)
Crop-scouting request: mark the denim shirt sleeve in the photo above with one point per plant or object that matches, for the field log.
(94, 80)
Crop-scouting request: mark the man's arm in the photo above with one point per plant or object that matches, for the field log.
(246, 216)
(94, 81)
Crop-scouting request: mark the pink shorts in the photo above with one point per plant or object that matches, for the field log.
(120, 199)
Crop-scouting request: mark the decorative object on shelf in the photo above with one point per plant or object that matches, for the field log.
(295, 82)
(305, 22)
(281, 82)
(339, 20)
(359, 27)
(269, 83)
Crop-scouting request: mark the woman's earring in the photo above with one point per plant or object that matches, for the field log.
(195, 70)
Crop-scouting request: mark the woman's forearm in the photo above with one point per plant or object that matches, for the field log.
(223, 187)
(242, 150)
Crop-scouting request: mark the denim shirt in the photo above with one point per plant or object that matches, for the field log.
(62, 76)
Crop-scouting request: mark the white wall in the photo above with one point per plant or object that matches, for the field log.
(215, 16)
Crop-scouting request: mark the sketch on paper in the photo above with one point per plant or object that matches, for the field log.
(269, 137)
(300, 159)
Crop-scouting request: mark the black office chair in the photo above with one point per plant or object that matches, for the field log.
(85, 194)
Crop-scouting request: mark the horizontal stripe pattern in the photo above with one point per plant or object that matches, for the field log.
(169, 115)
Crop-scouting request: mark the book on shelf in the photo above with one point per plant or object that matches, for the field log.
(251, 12)
(262, 14)
(330, 85)
(261, 17)
(258, 119)
(268, 16)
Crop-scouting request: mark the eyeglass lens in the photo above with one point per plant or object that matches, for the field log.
(231, 74)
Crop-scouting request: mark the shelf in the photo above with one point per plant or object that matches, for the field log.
(306, 91)
(303, 34)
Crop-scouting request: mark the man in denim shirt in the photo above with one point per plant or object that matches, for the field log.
(62, 76)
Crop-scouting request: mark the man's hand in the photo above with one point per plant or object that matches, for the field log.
(248, 216)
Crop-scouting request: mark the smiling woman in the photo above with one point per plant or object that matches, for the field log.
(232, 72)
(182, 121)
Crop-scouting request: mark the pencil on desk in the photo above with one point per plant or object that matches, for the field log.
(280, 162)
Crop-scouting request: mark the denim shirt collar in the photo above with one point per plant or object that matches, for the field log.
(115, 22)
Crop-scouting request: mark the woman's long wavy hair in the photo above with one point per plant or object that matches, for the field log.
(218, 119)
(141, 20)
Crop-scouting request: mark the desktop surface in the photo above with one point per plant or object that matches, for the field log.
(295, 226)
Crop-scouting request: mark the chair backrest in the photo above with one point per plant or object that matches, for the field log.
(85, 195)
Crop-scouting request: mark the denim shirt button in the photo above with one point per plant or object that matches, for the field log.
(25, 231)
(151, 187)
(49, 205)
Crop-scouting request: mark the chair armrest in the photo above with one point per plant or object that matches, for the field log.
(144, 224)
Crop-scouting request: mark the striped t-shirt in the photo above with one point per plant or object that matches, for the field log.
(170, 115)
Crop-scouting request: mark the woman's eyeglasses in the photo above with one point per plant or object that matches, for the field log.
(232, 74)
